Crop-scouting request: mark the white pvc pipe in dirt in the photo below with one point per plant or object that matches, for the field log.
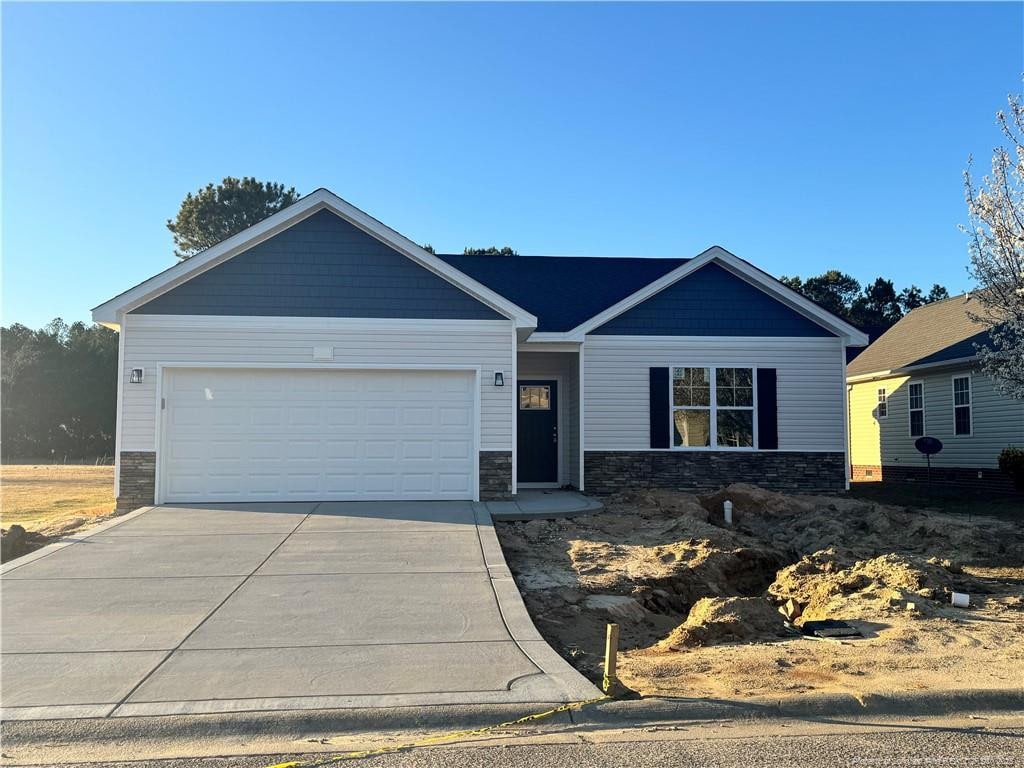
(960, 600)
(727, 508)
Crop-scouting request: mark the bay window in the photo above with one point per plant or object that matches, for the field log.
(713, 407)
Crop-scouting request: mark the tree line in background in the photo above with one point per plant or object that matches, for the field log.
(58, 391)
(874, 308)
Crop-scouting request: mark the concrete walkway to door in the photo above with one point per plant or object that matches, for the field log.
(244, 607)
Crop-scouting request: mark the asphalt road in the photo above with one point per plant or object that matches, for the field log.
(931, 745)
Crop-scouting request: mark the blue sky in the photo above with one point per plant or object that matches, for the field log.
(799, 136)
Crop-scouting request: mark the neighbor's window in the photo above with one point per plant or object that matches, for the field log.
(534, 398)
(883, 403)
(720, 416)
(915, 393)
(961, 405)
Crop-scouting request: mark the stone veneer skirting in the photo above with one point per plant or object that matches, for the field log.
(964, 477)
(138, 480)
(495, 475)
(606, 472)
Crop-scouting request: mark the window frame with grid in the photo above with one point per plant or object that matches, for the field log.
(713, 407)
(967, 403)
(913, 409)
(882, 405)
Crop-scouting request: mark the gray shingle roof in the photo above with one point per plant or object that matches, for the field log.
(933, 333)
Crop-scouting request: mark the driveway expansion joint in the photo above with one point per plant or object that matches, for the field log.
(207, 617)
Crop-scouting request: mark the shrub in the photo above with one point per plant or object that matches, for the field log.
(1011, 461)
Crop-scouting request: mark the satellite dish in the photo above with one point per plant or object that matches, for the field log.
(929, 446)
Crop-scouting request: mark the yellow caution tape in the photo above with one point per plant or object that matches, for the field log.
(431, 740)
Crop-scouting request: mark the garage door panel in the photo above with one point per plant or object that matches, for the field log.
(455, 449)
(342, 417)
(454, 484)
(419, 449)
(317, 435)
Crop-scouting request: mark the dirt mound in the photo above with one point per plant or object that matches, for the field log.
(652, 557)
(659, 502)
(715, 620)
(832, 583)
(751, 500)
(806, 524)
(687, 570)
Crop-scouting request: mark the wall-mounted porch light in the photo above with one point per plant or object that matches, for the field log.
(499, 379)
(136, 376)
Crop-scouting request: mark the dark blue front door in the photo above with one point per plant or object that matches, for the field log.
(537, 438)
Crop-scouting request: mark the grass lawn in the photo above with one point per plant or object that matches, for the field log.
(49, 497)
(950, 499)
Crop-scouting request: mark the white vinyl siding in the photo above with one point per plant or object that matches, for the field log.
(997, 423)
(810, 388)
(542, 365)
(152, 340)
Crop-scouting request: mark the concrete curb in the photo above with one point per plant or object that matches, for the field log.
(226, 729)
(822, 707)
(71, 538)
(560, 681)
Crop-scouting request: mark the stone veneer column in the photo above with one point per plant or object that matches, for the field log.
(138, 480)
(495, 475)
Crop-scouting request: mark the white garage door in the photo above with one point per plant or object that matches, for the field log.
(303, 435)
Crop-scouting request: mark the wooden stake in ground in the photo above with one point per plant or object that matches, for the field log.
(611, 652)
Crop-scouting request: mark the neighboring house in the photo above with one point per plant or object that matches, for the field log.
(921, 378)
(321, 355)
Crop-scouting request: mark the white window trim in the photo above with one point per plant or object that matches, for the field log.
(713, 408)
(910, 410)
(884, 392)
(970, 402)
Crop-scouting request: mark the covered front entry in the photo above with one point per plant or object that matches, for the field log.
(548, 417)
(251, 434)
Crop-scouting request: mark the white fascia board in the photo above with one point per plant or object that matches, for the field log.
(314, 202)
(851, 336)
(534, 345)
(910, 369)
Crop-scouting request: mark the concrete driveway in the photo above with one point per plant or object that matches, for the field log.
(219, 608)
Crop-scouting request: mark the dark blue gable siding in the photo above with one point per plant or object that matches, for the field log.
(711, 302)
(321, 267)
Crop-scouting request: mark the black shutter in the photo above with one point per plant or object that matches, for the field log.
(767, 410)
(659, 407)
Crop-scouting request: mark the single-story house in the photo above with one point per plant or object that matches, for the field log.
(921, 378)
(321, 355)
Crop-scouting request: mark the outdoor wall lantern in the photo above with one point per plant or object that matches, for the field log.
(499, 379)
(136, 376)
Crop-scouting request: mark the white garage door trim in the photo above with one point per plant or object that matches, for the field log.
(160, 432)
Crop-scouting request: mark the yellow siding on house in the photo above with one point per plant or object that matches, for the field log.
(865, 426)
(997, 422)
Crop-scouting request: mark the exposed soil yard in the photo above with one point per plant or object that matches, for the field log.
(49, 500)
(697, 601)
